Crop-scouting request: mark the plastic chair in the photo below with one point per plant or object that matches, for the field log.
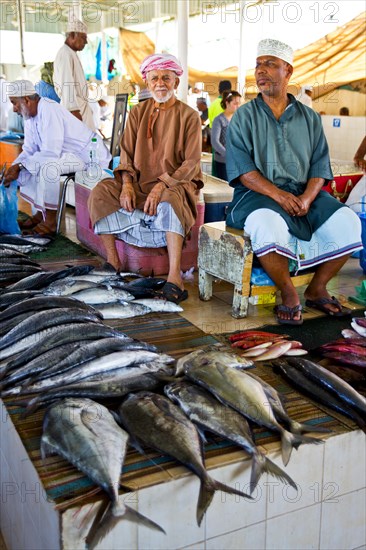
(119, 120)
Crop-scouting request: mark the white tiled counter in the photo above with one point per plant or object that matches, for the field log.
(327, 512)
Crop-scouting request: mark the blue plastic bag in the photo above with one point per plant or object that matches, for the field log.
(9, 209)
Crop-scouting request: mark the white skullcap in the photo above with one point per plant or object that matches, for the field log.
(308, 88)
(200, 85)
(75, 25)
(269, 46)
(20, 88)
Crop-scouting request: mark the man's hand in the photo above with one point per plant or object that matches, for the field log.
(127, 198)
(153, 199)
(290, 203)
(11, 174)
(306, 202)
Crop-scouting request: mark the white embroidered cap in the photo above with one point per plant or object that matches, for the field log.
(75, 25)
(269, 46)
(20, 88)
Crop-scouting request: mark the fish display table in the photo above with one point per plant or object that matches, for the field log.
(47, 504)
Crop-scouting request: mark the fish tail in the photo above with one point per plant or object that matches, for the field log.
(109, 515)
(300, 428)
(290, 441)
(262, 464)
(207, 490)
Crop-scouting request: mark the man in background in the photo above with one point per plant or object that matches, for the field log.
(306, 95)
(55, 143)
(69, 79)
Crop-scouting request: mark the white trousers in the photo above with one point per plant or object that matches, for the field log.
(340, 235)
(42, 189)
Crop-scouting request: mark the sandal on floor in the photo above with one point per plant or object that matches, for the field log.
(292, 311)
(321, 304)
(40, 230)
(173, 293)
(28, 224)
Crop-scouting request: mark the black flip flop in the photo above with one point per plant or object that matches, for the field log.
(173, 293)
(321, 303)
(292, 311)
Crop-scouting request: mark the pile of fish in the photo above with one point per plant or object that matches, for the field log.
(265, 346)
(324, 387)
(351, 349)
(215, 396)
(54, 345)
(14, 262)
(114, 295)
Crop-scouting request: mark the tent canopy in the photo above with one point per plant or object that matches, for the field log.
(336, 59)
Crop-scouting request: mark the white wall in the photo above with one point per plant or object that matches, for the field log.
(344, 135)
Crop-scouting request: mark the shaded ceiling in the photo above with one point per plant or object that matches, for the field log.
(337, 59)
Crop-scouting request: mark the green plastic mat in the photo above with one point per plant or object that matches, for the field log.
(61, 248)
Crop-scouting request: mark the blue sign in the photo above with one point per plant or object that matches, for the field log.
(336, 122)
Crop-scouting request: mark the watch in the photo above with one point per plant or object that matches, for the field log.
(21, 166)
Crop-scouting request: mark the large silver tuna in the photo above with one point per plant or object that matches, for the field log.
(86, 434)
(210, 414)
(153, 420)
(244, 394)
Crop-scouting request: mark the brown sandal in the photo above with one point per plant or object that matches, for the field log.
(41, 230)
(29, 223)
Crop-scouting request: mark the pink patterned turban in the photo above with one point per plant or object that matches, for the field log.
(160, 62)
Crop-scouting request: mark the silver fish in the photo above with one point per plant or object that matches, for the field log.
(42, 363)
(66, 286)
(60, 335)
(214, 352)
(122, 310)
(41, 303)
(152, 419)
(103, 295)
(158, 305)
(86, 434)
(90, 350)
(208, 413)
(109, 385)
(281, 414)
(45, 319)
(111, 361)
(244, 394)
(10, 298)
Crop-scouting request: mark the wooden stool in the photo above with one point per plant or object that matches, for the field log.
(226, 253)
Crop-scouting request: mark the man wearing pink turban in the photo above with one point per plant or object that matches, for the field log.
(151, 201)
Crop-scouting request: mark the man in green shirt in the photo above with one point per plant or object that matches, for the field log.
(277, 160)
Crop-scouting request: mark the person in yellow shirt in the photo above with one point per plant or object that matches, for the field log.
(215, 108)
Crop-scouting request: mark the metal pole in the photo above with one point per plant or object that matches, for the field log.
(242, 69)
(183, 17)
(104, 53)
(21, 33)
